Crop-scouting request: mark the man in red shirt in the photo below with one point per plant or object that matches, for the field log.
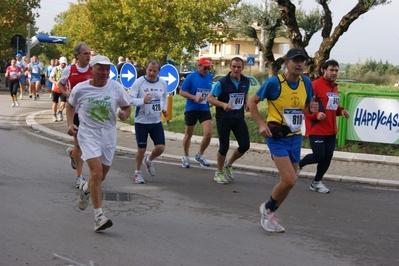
(71, 76)
(321, 126)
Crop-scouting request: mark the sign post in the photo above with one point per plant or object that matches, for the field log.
(171, 76)
(250, 63)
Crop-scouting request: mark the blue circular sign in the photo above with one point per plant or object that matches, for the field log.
(113, 74)
(170, 74)
(128, 75)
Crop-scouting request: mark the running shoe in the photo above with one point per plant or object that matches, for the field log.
(13, 104)
(79, 179)
(220, 178)
(83, 199)
(319, 187)
(30, 96)
(298, 171)
(61, 117)
(102, 223)
(269, 220)
(21, 97)
(149, 166)
(37, 95)
(16, 103)
(185, 162)
(69, 152)
(228, 171)
(54, 118)
(138, 178)
(201, 159)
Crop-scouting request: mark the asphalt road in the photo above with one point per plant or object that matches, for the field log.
(180, 216)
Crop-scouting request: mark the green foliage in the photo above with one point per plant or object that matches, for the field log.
(143, 29)
(14, 16)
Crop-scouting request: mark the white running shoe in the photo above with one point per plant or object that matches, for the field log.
(16, 103)
(83, 199)
(102, 223)
(319, 187)
(138, 178)
(185, 162)
(201, 159)
(149, 166)
(228, 171)
(269, 220)
(79, 179)
(21, 97)
(54, 118)
(13, 104)
(220, 178)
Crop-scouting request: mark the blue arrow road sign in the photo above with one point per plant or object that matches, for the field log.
(250, 61)
(170, 74)
(113, 74)
(128, 75)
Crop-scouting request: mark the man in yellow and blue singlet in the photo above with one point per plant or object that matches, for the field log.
(287, 95)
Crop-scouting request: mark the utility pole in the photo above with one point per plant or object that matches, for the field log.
(262, 40)
(28, 43)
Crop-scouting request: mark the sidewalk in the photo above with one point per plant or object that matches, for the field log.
(345, 167)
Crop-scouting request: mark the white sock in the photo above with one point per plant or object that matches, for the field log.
(98, 212)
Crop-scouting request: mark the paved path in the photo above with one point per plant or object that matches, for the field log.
(348, 167)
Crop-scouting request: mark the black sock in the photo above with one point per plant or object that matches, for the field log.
(271, 204)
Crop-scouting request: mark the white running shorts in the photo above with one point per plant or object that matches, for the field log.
(97, 142)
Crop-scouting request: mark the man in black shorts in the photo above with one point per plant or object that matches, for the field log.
(232, 93)
(195, 89)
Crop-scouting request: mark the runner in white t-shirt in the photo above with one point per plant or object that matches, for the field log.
(98, 100)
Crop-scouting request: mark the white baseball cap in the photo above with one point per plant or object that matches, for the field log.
(100, 59)
(63, 60)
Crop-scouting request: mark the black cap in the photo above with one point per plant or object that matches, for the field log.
(294, 52)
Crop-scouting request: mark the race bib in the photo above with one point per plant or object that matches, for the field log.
(204, 94)
(35, 69)
(13, 75)
(236, 100)
(153, 108)
(293, 118)
(333, 101)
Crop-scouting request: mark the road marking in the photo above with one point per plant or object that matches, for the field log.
(74, 262)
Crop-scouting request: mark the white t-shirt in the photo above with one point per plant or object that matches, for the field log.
(98, 105)
(148, 113)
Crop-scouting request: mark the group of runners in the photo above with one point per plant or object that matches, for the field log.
(93, 102)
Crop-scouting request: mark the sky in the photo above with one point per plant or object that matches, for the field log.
(374, 35)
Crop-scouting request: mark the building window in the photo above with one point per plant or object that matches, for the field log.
(237, 49)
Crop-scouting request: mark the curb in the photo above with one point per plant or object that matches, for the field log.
(351, 157)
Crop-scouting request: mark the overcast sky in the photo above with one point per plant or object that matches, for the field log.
(374, 35)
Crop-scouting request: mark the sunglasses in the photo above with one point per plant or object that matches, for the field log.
(206, 68)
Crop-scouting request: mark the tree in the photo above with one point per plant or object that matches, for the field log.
(247, 17)
(14, 16)
(143, 29)
(300, 26)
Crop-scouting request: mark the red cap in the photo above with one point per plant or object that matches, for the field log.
(204, 61)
